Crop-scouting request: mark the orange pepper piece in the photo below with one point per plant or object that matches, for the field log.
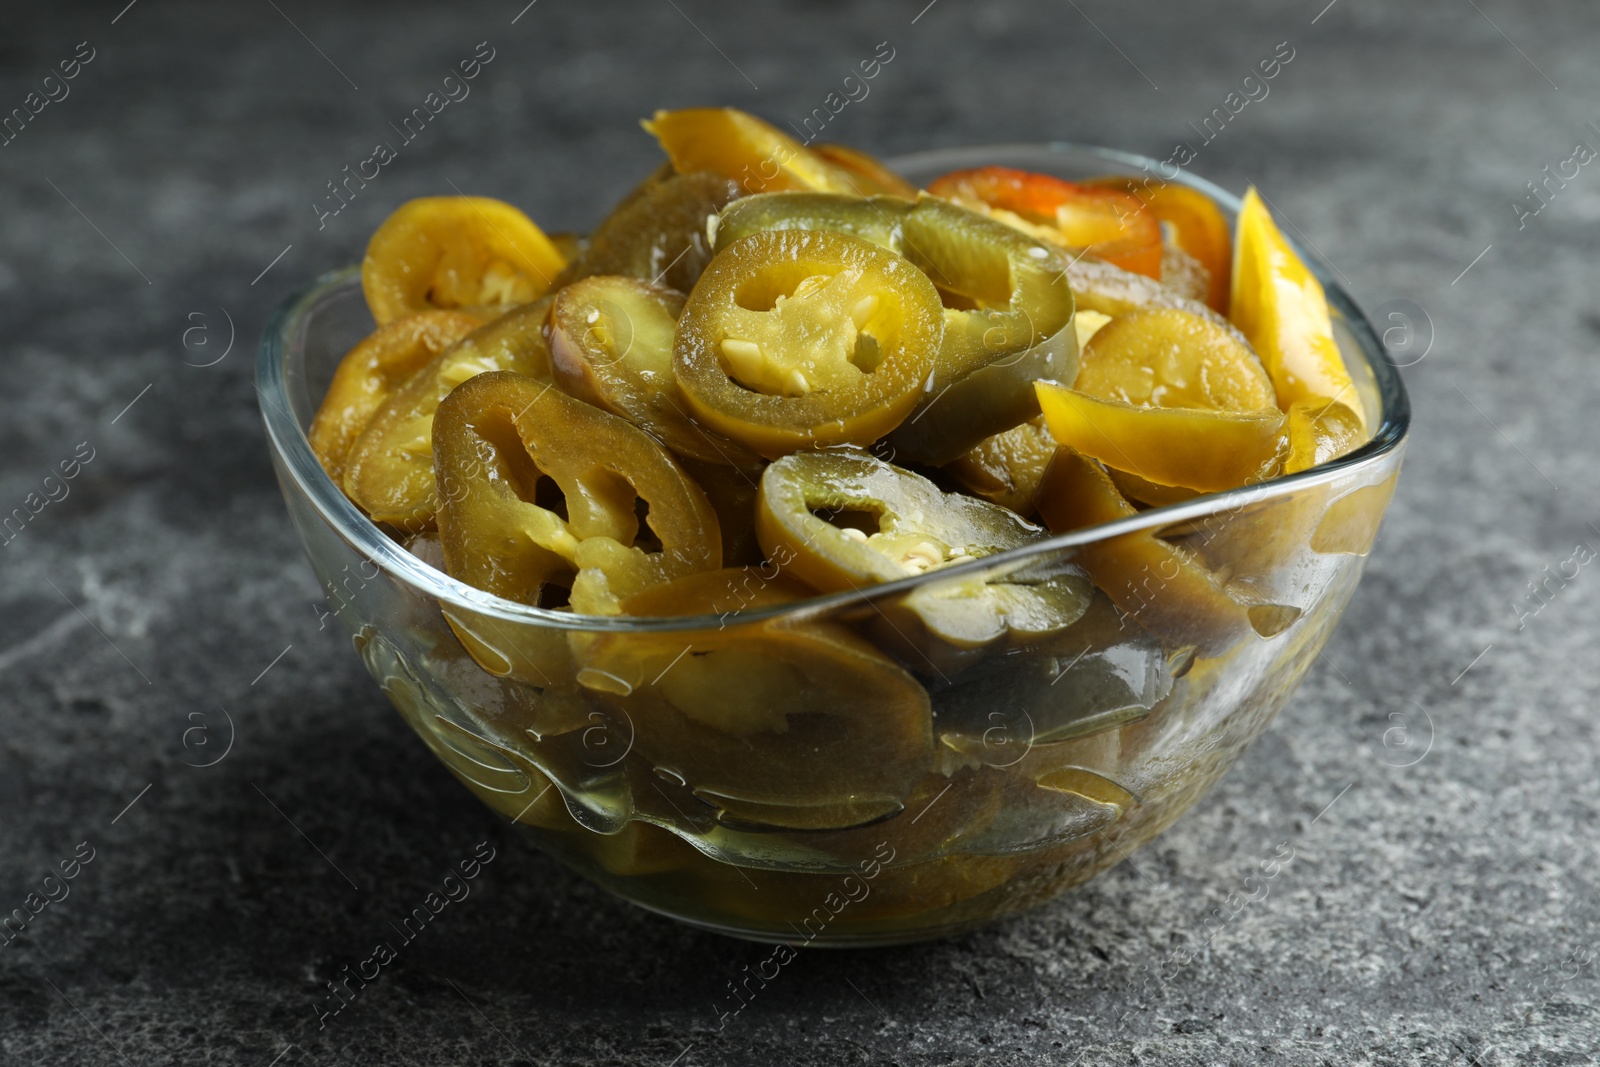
(1108, 223)
(1198, 226)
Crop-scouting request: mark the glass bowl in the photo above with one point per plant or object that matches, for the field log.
(829, 771)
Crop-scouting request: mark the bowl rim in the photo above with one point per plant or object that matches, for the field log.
(296, 459)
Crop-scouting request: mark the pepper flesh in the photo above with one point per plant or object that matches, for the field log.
(1318, 430)
(390, 472)
(1110, 291)
(468, 252)
(1103, 222)
(1007, 468)
(879, 219)
(732, 492)
(500, 436)
(1011, 301)
(1016, 328)
(1188, 447)
(1164, 357)
(371, 371)
(1197, 224)
(1161, 585)
(799, 339)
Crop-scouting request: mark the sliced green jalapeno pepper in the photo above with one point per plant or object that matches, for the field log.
(371, 372)
(539, 490)
(845, 519)
(1098, 674)
(732, 492)
(877, 219)
(1018, 330)
(1010, 326)
(804, 339)
(611, 345)
(658, 234)
(783, 725)
(389, 471)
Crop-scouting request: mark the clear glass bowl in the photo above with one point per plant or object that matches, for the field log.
(813, 773)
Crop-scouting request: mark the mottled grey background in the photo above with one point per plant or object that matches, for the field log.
(1442, 912)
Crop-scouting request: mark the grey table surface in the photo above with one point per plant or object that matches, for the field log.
(1435, 777)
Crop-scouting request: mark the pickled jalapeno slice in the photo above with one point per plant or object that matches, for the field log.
(1161, 585)
(878, 219)
(843, 519)
(782, 726)
(540, 492)
(1101, 221)
(1170, 398)
(611, 345)
(737, 145)
(1006, 324)
(389, 472)
(1006, 469)
(1012, 325)
(372, 370)
(732, 492)
(468, 252)
(1191, 448)
(657, 235)
(1109, 290)
(1171, 358)
(804, 339)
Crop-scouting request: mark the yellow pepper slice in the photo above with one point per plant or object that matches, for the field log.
(611, 345)
(737, 145)
(1279, 305)
(1320, 429)
(1189, 447)
(470, 252)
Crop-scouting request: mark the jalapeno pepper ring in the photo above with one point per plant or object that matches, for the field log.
(1016, 328)
(804, 339)
(611, 345)
(468, 252)
(844, 519)
(499, 436)
(390, 471)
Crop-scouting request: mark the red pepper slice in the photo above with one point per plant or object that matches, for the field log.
(1108, 223)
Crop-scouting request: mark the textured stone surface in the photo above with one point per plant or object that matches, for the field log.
(1441, 912)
